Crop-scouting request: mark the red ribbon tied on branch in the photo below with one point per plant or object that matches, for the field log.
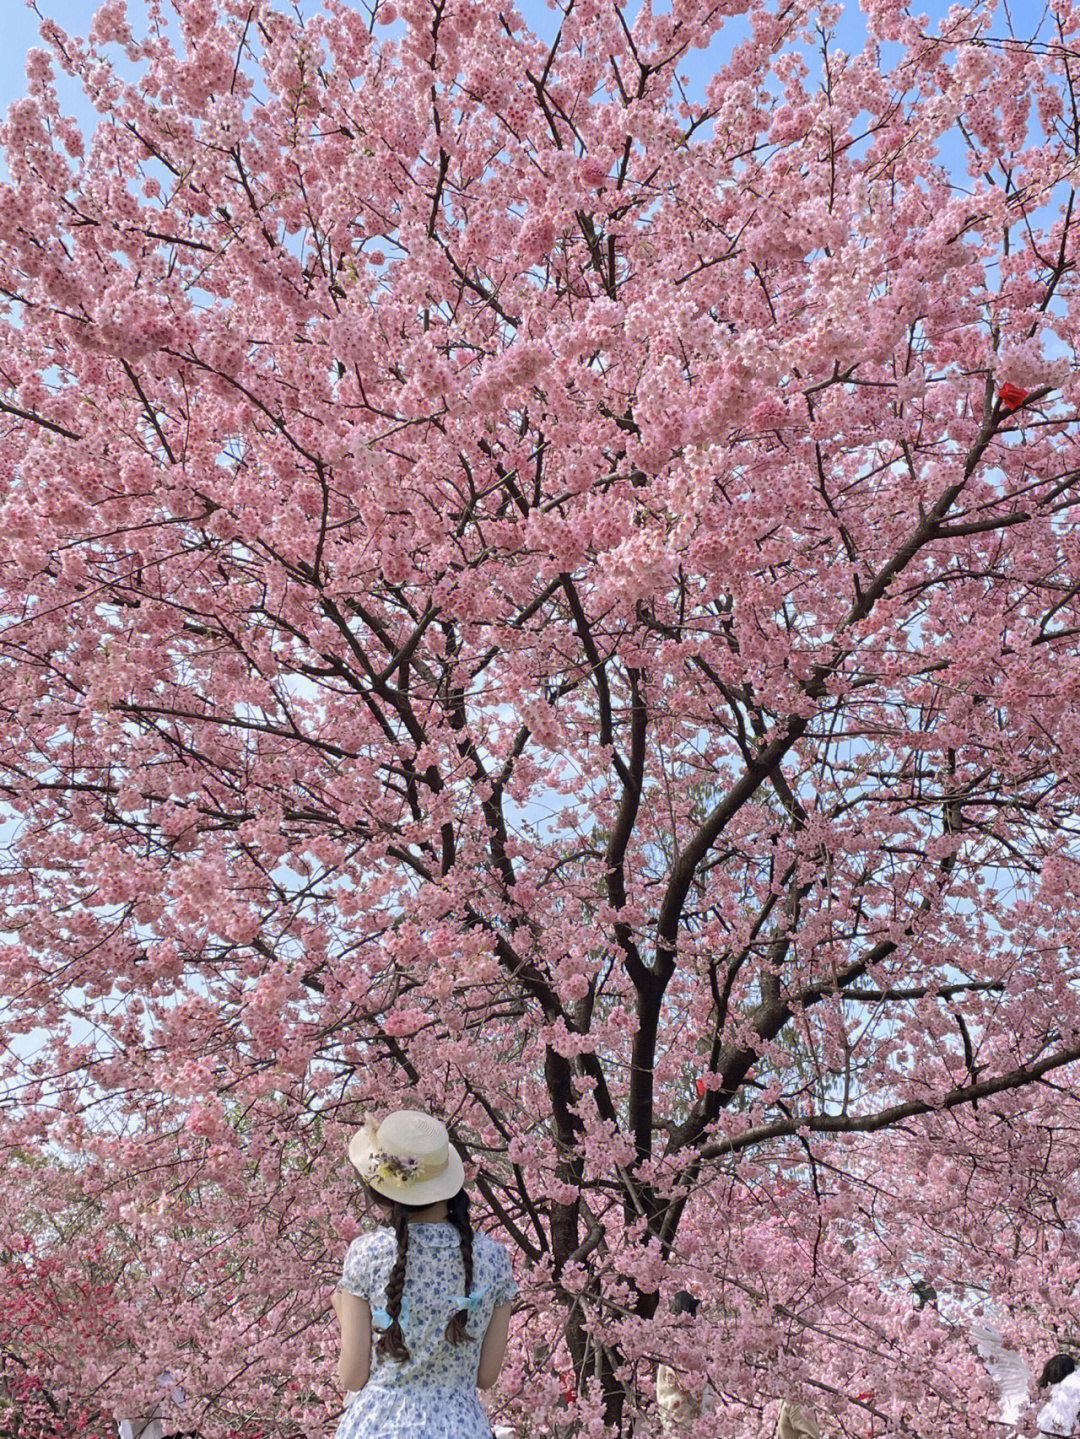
(1011, 396)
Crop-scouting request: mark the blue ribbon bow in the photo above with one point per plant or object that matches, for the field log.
(469, 1302)
(382, 1318)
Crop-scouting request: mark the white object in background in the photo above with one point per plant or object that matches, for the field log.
(677, 1406)
(795, 1422)
(1059, 1414)
(141, 1429)
(1008, 1371)
(155, 1425)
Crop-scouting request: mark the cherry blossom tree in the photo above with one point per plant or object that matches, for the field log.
(40, 1356)
(29, 1411)
(544, 587)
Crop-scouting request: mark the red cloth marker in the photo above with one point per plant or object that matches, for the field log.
(1012, 396)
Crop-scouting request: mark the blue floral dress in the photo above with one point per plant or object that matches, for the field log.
(433, 1394)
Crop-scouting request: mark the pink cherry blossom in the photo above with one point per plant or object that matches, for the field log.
(523, 594)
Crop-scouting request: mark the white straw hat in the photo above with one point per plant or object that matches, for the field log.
(408, 1157)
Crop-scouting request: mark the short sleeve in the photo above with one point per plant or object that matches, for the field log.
(356, 1275)
(504, 1285)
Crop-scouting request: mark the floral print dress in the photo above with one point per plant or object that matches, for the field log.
(433, 1394)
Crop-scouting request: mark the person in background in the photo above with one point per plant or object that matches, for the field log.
(159, 1423)
(1058, 1418)
(796, 1422)
(678, 1407)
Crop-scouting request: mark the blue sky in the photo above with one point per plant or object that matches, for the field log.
(20, 32)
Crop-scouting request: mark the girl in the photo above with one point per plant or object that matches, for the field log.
(424, 1304)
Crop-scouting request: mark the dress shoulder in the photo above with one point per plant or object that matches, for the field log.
(361, 1259)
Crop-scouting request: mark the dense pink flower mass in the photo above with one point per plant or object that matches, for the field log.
(524, 592)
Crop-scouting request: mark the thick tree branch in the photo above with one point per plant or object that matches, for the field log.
(895, 1114)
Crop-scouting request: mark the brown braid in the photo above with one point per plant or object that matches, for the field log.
(391, 1343)
(457, 1211)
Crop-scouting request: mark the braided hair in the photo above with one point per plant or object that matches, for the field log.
(391, 1342)
(457, 1212)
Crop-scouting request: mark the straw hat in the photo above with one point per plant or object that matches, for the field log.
(408, 1157)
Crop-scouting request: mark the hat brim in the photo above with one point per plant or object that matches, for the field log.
(419, 1192)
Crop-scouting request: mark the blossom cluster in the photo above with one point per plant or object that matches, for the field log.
(543, 590)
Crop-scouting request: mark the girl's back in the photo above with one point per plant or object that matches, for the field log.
(434, 1291)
